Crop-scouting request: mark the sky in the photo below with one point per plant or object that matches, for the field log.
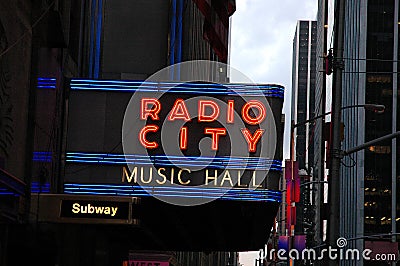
(261, 48)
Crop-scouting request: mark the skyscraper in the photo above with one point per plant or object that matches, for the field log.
(369, 178)
(303, 90)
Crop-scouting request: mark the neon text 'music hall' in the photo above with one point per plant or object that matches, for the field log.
(182, 176)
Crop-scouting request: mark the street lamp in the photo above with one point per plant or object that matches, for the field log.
(376, 108)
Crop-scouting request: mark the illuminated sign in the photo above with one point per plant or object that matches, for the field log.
(196, 140)
(181, 176)
(223, 193)
(83, 209)
(218, 136)
(151, 107)
(94, 209)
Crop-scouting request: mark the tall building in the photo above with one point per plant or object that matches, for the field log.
(303, 90)
(369, 178)
(322, 100)
(369, 182)
(134, 40)
(34, 36)
(42, 45)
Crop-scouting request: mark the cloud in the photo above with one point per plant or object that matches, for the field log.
(262, 42)
(261, 47)
(262, 35)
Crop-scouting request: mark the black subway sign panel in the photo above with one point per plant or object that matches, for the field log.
(94, 209)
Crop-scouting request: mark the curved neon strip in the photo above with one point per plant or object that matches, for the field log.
(163, 160)
(99, 30)
(177, 190)
(132, 86)
(189, 192)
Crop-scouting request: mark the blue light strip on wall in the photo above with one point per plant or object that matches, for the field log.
(168, 191)
(35, 188)
(172, 37)
(4, 191)
(239, 163)
(46, 83)
(40, 188)
(92, 37)
(99, 29)
(171, 87)
(42, 156)
(179, 39)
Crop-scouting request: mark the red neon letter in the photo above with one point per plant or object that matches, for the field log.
(215, 133)
(202, 108)
(179, 111)
(142, 136)
(230, 115)
(261, 112)
(252, 140)
(152, 112)
(183, 138)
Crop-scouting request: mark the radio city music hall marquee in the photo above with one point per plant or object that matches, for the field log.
(192, 134)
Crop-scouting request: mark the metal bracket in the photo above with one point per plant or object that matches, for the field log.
(337, 153)
(338, 64)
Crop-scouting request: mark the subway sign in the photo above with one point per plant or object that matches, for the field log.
(83, 209)
(95, 209)
(138, 138)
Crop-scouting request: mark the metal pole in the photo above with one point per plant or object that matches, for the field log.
(334, 175)
(292, 159)
(394, 119)
(369, 143)
(313, 182)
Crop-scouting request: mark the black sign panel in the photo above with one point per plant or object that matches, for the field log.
(95, 209)
(95, 136)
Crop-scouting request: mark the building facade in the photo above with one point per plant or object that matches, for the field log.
(369, 178)
(303, 91)
(322, 99)
(371, 204)
(43, 44)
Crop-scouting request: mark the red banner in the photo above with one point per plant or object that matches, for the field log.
(216, 24)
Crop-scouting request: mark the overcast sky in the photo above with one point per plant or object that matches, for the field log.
(261, 47)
